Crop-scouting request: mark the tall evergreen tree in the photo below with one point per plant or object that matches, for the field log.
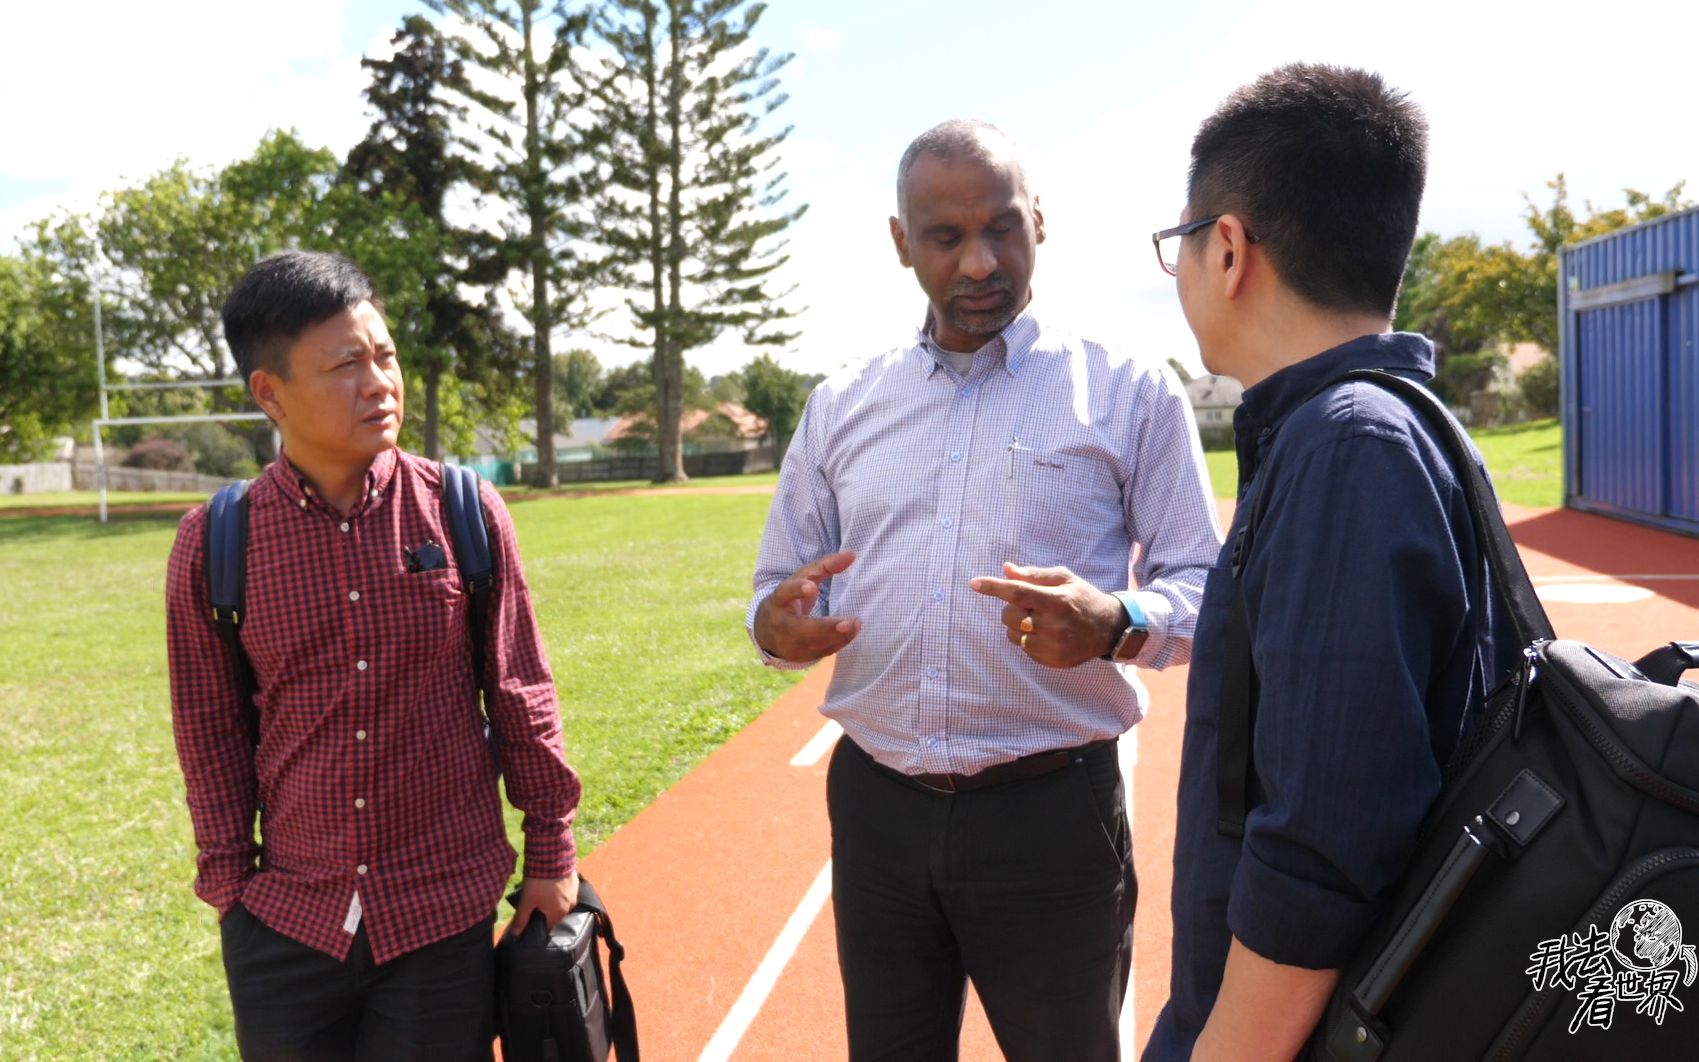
(413, 154)
(532, 155)
(694, 208)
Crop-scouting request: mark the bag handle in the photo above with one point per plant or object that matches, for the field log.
(1667, 663)
(622, 1019)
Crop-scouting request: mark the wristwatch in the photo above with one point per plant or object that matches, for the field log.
(1136, 624)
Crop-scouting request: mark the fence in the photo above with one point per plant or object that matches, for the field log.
(642, 466)
(87, 477)
(35, 478)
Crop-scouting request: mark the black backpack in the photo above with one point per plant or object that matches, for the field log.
(1541, 913)
(226, 547)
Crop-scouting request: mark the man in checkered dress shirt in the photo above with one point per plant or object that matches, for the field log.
(960, 520)
(361, 927)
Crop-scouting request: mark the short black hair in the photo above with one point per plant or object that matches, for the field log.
(283, 295)
(1325, 165)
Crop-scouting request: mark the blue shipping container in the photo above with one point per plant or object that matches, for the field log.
(1628, 315)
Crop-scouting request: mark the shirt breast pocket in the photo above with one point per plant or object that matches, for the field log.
(431, 611)
(1060, 508)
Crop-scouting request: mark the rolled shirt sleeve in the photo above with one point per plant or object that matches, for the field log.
(1351, 613)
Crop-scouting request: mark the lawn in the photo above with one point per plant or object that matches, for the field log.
(1525, 461)
(104, 951)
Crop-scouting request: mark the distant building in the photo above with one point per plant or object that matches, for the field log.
(1214, 398)
(726, 428)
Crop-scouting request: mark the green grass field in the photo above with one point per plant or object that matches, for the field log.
(104, 951)
(1525, 460)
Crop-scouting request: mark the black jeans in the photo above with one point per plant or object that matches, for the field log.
(295, 1002)
(1026, 888)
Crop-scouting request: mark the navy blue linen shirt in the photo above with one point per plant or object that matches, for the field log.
(1364, 588)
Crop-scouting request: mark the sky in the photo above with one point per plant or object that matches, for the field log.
(1103, 96)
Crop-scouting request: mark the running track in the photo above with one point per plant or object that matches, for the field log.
(720, 888)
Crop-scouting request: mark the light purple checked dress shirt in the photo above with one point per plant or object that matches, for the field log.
(1051, 451)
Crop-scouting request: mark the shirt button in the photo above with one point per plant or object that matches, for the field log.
(359, 665)
(931, 672)
(359, 802)
(343, 526)
(955, 455)
(948, 523)
(359, 735)
(353, 595)
(931, 742)
(967, 392)
(937, 595)
(302, 503)
(374, 495)
(361, 869)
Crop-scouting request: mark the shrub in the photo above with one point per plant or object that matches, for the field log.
(164, 455)
(1540, 387)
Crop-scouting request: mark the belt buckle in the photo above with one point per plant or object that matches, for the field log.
(948, 789)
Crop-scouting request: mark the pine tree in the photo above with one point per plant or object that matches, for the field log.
(532, 155)
(694, 205)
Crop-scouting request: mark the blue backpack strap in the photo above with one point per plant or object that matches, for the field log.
(463, 511)
(226, 549)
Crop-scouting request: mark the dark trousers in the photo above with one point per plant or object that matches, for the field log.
(293, 1002)
(1027, 889)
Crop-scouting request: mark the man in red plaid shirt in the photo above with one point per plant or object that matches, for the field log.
(360, 926)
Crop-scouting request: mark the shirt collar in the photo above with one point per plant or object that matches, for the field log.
(1012, 344)
(1273, 399)
(300, 492)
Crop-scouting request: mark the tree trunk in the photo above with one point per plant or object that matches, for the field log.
(669, 360)
(542, 317)
(433, 385)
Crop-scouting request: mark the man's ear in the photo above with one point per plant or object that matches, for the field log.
(264, 386)
(899, 237)
(1037, 220)
(1231, 253)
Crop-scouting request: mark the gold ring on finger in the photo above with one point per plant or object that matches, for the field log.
(1024, 637)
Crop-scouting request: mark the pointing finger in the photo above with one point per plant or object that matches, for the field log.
(1038, 576)
(1023, 595)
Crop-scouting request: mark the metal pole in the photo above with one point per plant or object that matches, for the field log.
(100, 469)
(100, 368)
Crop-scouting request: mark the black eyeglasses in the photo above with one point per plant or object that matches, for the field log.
(1167, 242)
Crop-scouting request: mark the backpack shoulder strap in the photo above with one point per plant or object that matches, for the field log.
(463, 512)
(226, 548)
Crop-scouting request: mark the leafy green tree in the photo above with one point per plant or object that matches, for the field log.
(578, 382)
(1470, 297)
(776, 395)
(694, 211)
(47, 366)
(531, 154)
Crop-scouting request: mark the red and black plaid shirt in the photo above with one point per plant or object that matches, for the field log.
(372, 765)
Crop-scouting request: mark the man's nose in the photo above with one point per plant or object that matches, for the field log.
(376, 382)
(979, 260)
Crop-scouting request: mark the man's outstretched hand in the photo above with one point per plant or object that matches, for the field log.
(1053, 615)
(783, 626)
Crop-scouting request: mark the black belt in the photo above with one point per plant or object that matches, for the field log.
(1024, 769)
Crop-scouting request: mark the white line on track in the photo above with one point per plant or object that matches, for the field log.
(766, 975)
(818, 745)
(1617, 578)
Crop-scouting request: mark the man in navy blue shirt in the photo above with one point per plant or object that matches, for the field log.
(1372, 629)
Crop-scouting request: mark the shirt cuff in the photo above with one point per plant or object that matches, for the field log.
(1292, 921)
(551, 858)
(1158, 649)
(777, 663)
